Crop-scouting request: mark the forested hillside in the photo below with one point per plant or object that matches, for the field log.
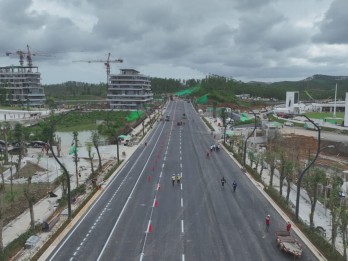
(317, 87)
(75, 91)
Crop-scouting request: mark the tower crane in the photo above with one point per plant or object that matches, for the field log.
(106, 63)
(28, 54)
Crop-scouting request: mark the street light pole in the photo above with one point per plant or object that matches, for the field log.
(304, 171)
(118, 152)
(246, 140)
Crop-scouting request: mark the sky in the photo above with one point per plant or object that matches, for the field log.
(249, 40)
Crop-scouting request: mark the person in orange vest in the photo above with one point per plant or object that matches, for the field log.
(288, 226)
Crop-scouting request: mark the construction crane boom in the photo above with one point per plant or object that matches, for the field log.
(28, 54)
(106, 63)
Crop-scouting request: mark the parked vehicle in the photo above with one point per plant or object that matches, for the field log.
(3, 143)
(288, 244)
(289, 124)
(37, 144)
(16, 144)
(167, 118)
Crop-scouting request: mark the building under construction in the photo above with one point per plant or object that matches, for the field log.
(21, 85)
(129, 90)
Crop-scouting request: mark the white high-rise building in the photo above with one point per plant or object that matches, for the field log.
(129, 90)
(292, 102)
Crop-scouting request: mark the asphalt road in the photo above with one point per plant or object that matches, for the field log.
(142, 216)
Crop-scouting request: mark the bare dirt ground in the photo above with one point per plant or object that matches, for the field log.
(306, 147)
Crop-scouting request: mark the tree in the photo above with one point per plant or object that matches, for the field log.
(18, 134)
(310, 182)
(270, 158)
(76, 134)
(5, 128)
(281, 168)
(31, 200)
(214, 109)
(96, 140)
(288, 170)
(334, 202)
(63, 182)
(252, 158)
(223, 115)
(90, 156)
(343, 223)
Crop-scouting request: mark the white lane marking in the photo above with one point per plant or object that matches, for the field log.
(181, 165)
(181, 186)
(182, 202)
(141, 256)
(183, 257)
(182, 226)
(125, 205)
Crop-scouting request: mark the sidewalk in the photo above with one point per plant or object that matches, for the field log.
(46, 206)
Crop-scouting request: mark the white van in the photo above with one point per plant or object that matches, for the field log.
(289, 124)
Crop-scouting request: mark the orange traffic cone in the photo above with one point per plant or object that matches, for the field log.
(149, 178)
(158, 186)
(153, 168)
(156, 203)
(150, 228)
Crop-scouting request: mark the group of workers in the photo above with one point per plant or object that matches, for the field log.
(214, 147)
(176, 178)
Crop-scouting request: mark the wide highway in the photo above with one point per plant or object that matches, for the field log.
(141, 215)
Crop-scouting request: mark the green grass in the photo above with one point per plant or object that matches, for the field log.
(322, 115)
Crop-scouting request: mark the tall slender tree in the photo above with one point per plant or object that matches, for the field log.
(31, 200)
(310, 182)
(96, 141)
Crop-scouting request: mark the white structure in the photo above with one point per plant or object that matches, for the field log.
(21, 86)
(346, 112)
(292, 102)
(129, 90)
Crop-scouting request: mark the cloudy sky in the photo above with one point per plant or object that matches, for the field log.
(249, 40)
